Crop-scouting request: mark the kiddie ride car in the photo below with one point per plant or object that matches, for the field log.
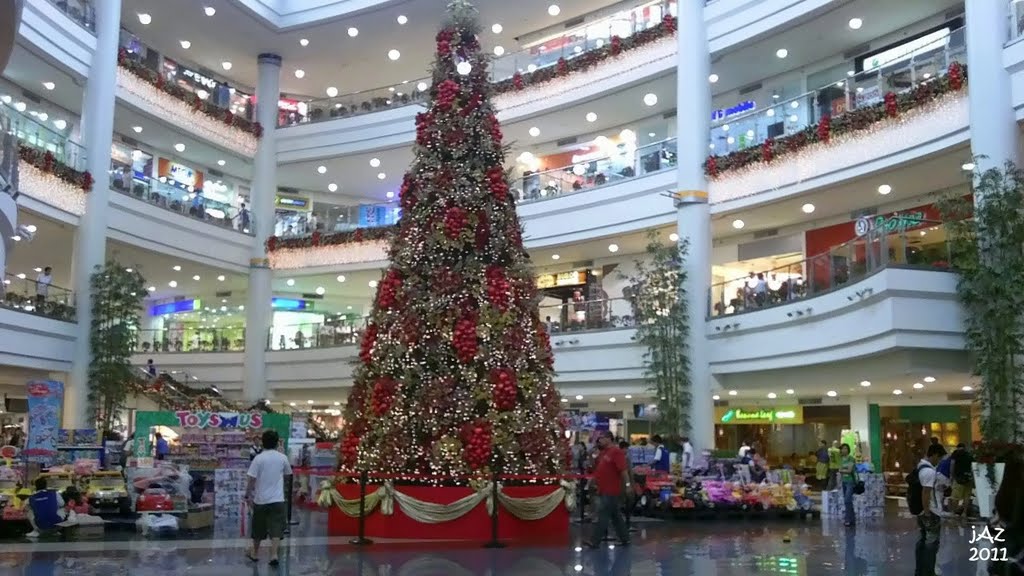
(106, 493)
(154, 500)
(13, 500)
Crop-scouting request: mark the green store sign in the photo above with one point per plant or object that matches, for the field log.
(890, 224)
(785, 415)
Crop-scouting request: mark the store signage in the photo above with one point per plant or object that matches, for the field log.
(182, 174)
(891, 223)
(574, 278)
(774, 415)
(723, 113)
(290, 304)
(907, 50)
(869, 96)
(177, 306)
(199, 78)
(204, 419)
(289, 202)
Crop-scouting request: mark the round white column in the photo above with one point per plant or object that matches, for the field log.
(264, 188)
(994, 132)
(91, 235)
(693, 118)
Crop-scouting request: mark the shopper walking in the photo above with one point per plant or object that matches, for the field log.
(162, 449)
(821, 467)
(265, 495)
(923, 501)
(611, 476)
(848, 472)
(963, 479)
(833, 466)
(43, 281)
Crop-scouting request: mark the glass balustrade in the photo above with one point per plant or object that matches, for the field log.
(897, 72)
(315, 335)
(1016, 20)
(32, 130)
(81, 11)
(191, 339)
(924, 246)
(571, 44)
(587, 316)
(24, 294)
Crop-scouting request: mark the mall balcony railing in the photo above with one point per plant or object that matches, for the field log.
(841, 266)
(901, 73)
(1016, 20)
(158, 192)
(303, 336)
(81, 11)
(26, 295)
(165, 340)
(574, 43)
(32, 130)
(588, 316)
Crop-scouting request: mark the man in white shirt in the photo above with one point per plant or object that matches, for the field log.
(687, 454)
(743, 448)
(265, 496)
(43, 281)
(928, 521)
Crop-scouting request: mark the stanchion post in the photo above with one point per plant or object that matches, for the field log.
(362, 540)
(494, 543)
(291, 502)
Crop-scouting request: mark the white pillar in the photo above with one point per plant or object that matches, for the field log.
(993, 123)
(91, 235)
(264, 188)
(860, 422)
(693, 114)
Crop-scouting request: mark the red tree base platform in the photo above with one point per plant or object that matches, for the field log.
(474, 526)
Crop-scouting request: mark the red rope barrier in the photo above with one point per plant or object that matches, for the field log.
(428, 477)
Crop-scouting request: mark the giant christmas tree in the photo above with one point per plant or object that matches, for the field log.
(455, 368)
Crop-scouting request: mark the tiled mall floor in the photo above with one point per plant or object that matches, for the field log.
(719, 548)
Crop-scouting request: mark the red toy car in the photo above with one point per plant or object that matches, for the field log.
(154, 500)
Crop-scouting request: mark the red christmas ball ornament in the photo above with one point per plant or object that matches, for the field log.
(562, 68)
(497, 184)
(499, 289)
(87, 182)
(366, 343)
(315, 238)
(387, 293)
(955, 75)
(407, 193)
(349, 450)
(892, 109)
(455, 221)
(483, 230)
(464, 339)
(447, 92)
(767, 150)
(477, 438)
(669, 22)
(424, 125)
(711, 166)
(825, 128)
(229, 117)
(517, 81)
(506, 389)
(615, 47)
(383, 396)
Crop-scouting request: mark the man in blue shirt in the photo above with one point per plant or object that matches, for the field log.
(44, 509)
(661, 457)
(161, 447)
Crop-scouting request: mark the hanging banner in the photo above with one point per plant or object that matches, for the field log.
(45, 399)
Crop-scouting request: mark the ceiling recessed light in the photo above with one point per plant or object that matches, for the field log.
(340, 278)
(865, 383)
(332, 187)
(730, 140)
(612, 399)
(496, 28)
(555, 256)
(353, 32)
(884, 189)
(373, 283)
(650, 99)
(179, 147)
(738, 224)
(554, 10)
(966, 388)
(807, 208)
(579, 397)
(172, 284)
(651, 134)
(137, 129)
(402, 19)
(145, 19)
(422, 86)
(225, 65)
(613, 248)
(375, 162)
(196, 277)
(332, 91)
(967, 166)
(499, 50)
(185, 44)
(60, 124)
(531, 68)
(716, 397)
(591, 117)
(320, 290)
(918, 386)
(793, 118)
(309, 401)
(733, 392)
(220, 278)
(929, 379)
(713, 78)
(564, 400)
(389, 195)
(176, 268)
(321, 169)
(856, 23)
(781, 53)
(673, 237)
(303, 42)
(772, 396)
(151, 288)
(534, 131)
(210, 10)
(394, 54)
(381, 176)
(897, 392)
(831, 394)
(300, 73)
(49, 85)
(790, 391)
(291, 404)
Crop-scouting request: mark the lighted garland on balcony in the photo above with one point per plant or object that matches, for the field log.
(46, 162)
(892, 106)
(318, 239)
(229, 118)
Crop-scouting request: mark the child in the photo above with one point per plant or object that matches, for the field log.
(44, 509)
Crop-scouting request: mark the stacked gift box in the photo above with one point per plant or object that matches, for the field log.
(870, 504)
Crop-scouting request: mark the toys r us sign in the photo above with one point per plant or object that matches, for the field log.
(204, 419)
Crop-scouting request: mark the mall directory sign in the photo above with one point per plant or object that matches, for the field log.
(754, 415)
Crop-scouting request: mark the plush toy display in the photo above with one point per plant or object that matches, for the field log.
(725, 496)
